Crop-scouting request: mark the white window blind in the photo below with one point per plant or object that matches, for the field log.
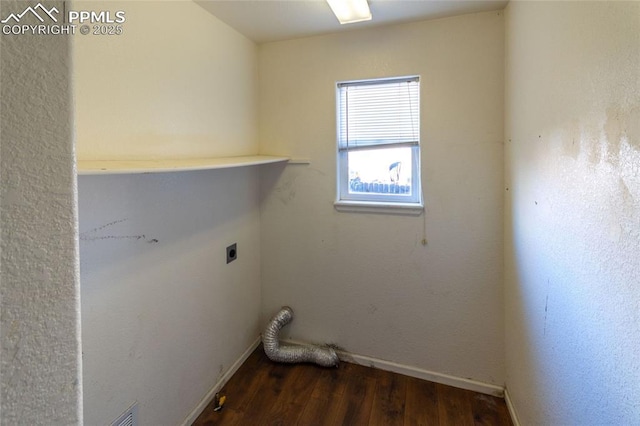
(380, 113)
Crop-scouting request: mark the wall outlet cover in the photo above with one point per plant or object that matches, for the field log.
(232, 252)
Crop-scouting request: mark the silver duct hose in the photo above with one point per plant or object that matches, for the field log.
(323, 356)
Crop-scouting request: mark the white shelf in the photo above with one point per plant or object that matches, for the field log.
(114, 167)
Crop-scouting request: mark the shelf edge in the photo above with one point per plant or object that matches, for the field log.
(113, 167)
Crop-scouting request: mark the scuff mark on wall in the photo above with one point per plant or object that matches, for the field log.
(546, 309)
(287, 191)
(571, 139)
(99, 228)
(113, 237)
(84, 236)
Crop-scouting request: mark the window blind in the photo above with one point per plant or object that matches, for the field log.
(378, 113)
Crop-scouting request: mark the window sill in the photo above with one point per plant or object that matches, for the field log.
(412, 209)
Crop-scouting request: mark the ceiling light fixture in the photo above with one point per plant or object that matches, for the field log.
(350, 11)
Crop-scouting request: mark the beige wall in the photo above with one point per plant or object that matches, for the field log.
(164, 317)
(364, 281)
(41, 360)
(178, 83)
(572, 228)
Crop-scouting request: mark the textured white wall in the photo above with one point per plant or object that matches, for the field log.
(163, 315)
(573, 212)
(364, 281)
(40, 360)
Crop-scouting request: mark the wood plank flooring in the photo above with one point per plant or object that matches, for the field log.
(265, 393)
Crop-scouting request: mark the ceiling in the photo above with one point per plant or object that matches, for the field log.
(271, 20)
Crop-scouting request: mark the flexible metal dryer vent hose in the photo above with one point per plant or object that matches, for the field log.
(323, 356)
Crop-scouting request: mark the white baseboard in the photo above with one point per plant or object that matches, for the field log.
(511, 408)
(223, 381)
(418, 373)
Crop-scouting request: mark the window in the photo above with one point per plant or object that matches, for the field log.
(379, 144)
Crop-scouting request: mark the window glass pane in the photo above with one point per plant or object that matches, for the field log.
(380, 171)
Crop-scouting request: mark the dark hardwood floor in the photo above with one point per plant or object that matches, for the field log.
(265, 393)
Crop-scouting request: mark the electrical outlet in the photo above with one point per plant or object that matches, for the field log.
(232, 252)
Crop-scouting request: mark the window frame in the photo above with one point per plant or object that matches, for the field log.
(376, 202)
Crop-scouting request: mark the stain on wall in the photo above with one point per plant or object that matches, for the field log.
(572, 102)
